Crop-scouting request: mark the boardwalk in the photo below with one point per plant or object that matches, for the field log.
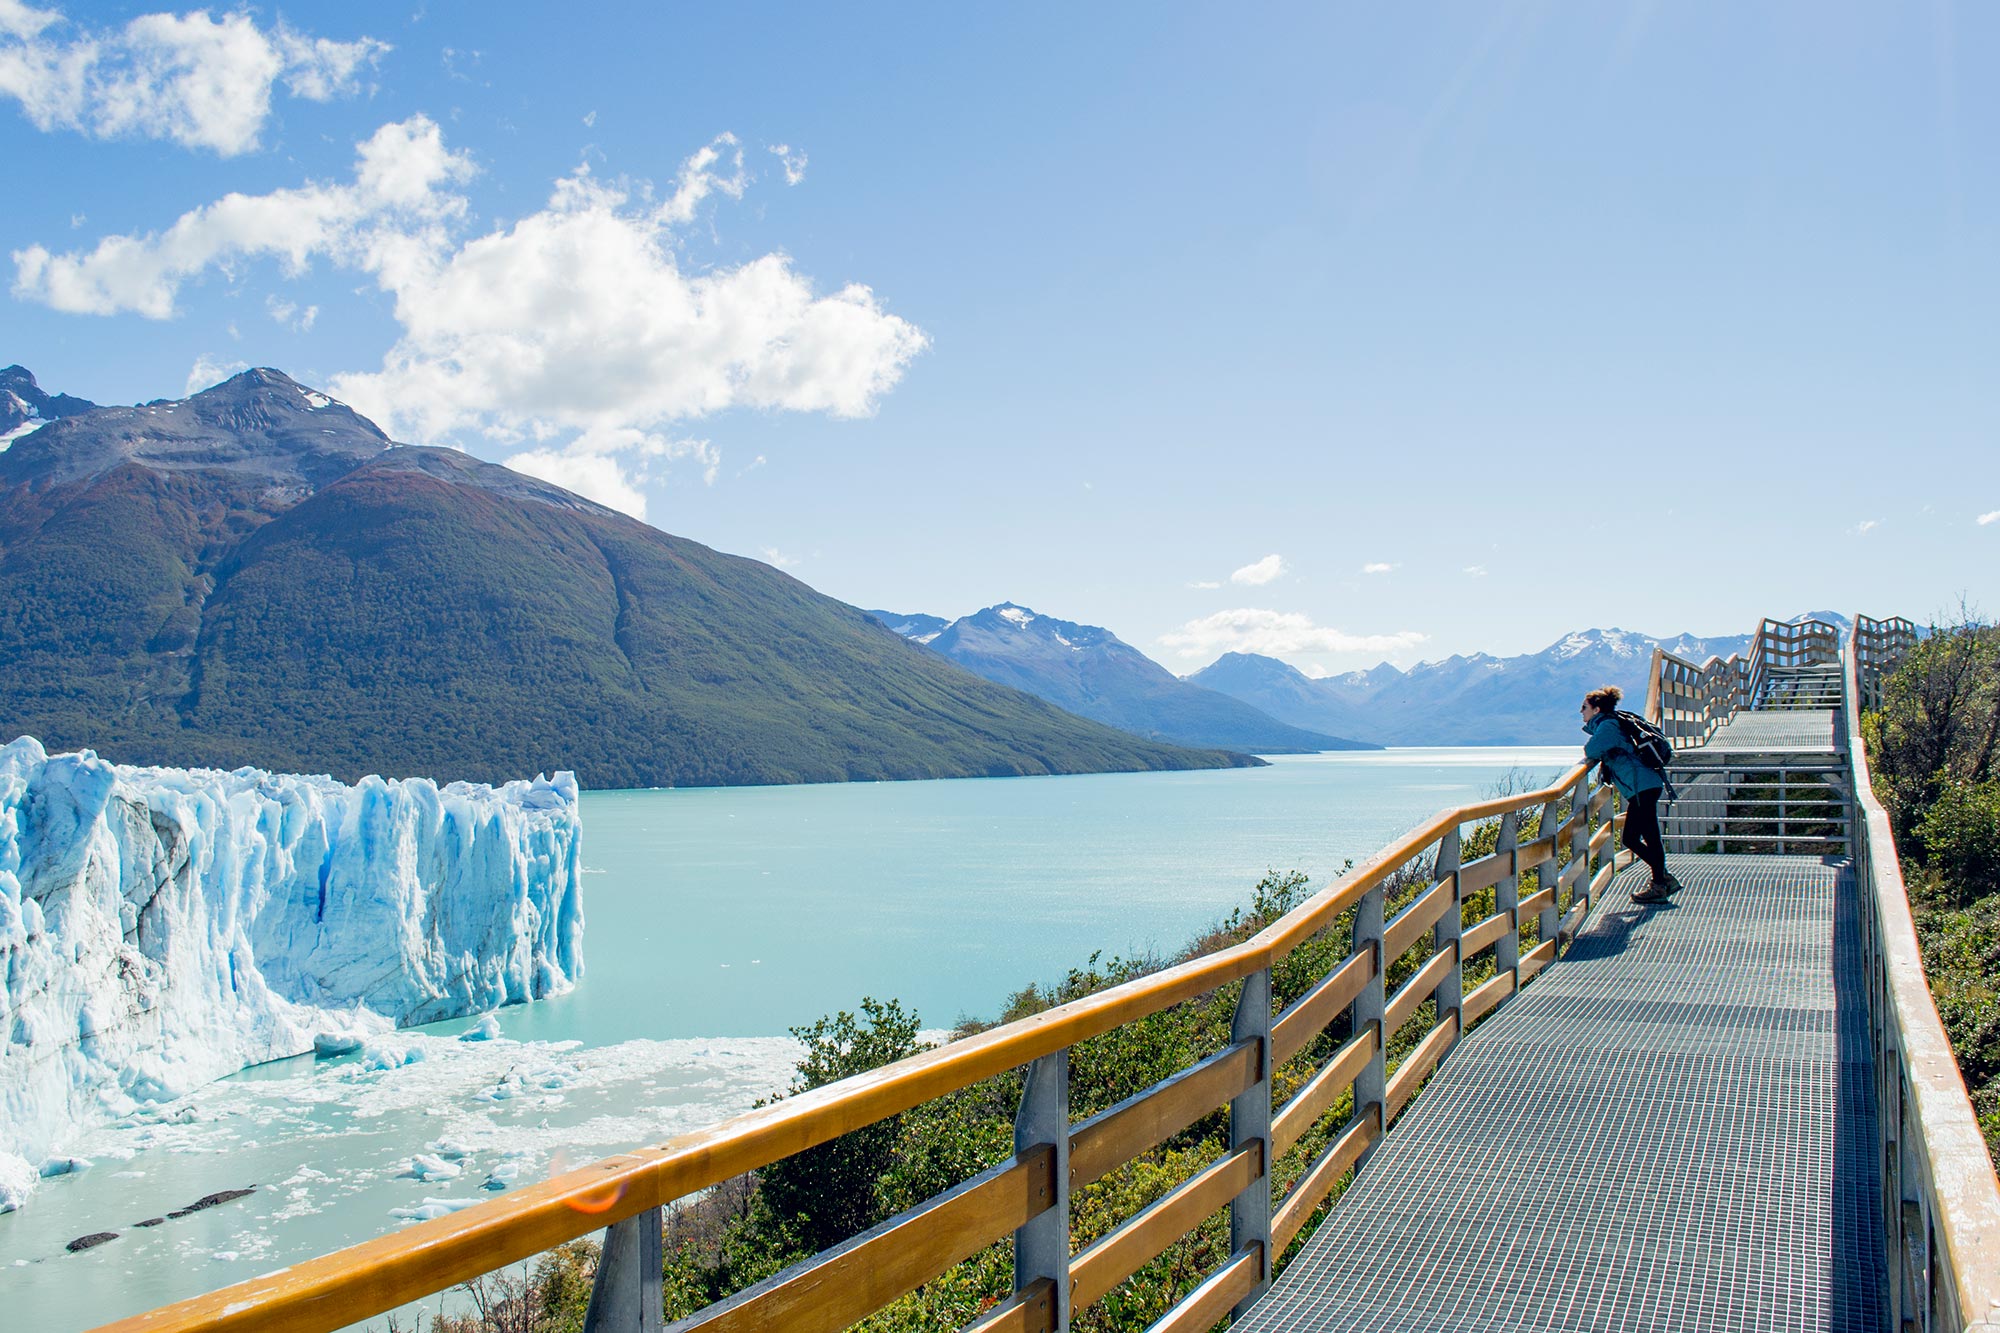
(1672, 1129)
(1626, 1116)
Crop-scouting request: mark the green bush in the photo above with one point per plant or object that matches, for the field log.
(1960, 833)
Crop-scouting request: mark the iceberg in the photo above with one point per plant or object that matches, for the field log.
(161, 928)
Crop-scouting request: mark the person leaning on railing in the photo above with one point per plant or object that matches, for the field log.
(1607, 747)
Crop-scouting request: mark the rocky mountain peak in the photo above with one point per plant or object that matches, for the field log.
(261, 423)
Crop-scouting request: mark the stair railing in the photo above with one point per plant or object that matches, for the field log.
(1543, 886)
(1940, 1200)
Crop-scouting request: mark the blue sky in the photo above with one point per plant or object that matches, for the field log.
(1339, 332)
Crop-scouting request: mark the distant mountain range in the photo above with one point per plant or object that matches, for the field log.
(258, 575)
(1093, 673)
(1475, 700)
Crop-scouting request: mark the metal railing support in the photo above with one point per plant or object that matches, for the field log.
(1368, 1009)
(1551, 918)
(1250, 1122)
(1041, 1246)
(628, 1294)
(1449, 995)
(1507, 900)
(1579, 839)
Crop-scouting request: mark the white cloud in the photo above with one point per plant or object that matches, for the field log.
(580, 316)
(773, 556)
(794, 163)
(1275, 634)
(1205, 584)
(200, 81)
(590, 120)
(390, 221)
(598, 477)
(1993, 517)
(288, 314)
(573, 323)
(208, 371)
(1263, 571)
(1865, 526)
(1476, 571)
(1378, 567)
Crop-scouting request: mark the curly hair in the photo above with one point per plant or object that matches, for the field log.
(1605, 699)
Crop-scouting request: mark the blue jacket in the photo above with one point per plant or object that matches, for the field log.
(1607, 745)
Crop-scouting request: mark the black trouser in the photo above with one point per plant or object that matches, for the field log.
(1642, 831)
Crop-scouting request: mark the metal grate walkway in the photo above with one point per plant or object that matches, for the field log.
(1673, 1128)
(1774, 732)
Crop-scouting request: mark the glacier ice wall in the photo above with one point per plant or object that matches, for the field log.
(160, 928)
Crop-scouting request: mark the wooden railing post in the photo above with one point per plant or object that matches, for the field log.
(1507, 899)
(1368, 1011)
(1250, 1122)
(628, 1295)
(1448, 997)
(1041, 1245)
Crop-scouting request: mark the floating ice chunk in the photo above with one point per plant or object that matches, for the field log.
(451, 1150)
(337, 1043)
(65, 1166)
(381, 1054)
(486, 1029)
(431, 1208)
(427, 1168)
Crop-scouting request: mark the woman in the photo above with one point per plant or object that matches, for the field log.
(1639, 785)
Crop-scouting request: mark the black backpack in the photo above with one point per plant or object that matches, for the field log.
(1655, 751)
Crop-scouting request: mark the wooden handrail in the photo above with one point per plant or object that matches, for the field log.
(335, 1290)
(1941, 1181)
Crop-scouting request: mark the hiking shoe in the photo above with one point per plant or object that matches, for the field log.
(1653, 892)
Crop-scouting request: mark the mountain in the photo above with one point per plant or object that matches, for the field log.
(1462, 700)
(24, 407)
(1093, 673)
(918, 628)
(256, 575)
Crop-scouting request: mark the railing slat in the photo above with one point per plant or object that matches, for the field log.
(1537, 958)
(1029, 1310)
(1411, 923)
(1206, 1304)
(1319, 1179)
(1305, 1020)
(1312, 1101)
(1419, 988)
(1115, 1136)
(1148, 1233)
(1487, 933)
(1404, 1082)
(1495, 989)
(1484, 873)
(834, 1289)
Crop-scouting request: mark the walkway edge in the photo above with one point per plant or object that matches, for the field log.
(1962, 1195)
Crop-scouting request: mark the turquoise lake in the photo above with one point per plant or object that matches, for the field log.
(716, 919)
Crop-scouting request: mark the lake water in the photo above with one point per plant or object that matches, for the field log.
(716, 919)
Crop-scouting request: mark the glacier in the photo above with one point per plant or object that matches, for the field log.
(161, 928)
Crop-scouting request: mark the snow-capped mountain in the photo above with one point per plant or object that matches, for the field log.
(1091, 672)
(1475, 699)
(25, 408)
